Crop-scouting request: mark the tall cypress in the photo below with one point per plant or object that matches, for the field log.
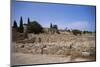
(21, 28)
(50, 25)
(28, 21)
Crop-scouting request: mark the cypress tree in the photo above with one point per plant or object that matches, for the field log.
(28, 21)
(51, 25)
(21, 28)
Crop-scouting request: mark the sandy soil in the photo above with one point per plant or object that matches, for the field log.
(21, 56)
(24, 59)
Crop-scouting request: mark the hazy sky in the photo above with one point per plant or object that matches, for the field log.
(70, 16)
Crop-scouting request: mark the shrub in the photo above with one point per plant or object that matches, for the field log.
(76, 32)
(84, 32)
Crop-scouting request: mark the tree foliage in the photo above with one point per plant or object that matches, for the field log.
(76, 32)
(68, 30)
(51, 25)
(55, 27)
(21, 28)
(35, 27)
(28, 21)
(84, 32)
(15, 25)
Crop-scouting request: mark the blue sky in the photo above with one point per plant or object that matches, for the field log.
(70, 16)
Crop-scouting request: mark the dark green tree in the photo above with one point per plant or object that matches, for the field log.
(21, 28)
(68, 30)
(50, 25)
(28, 21)
(35, 27)
(76, 32)
(84, 32)
(15, 25)
(55, 27)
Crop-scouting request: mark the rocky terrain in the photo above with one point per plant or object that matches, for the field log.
(54, 48)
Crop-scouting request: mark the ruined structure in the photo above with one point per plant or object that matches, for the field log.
(52, 30)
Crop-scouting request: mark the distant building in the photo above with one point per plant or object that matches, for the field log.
(46, 30)
(52, 30)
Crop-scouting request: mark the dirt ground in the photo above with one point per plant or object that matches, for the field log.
(24, 59)
(43, 49)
